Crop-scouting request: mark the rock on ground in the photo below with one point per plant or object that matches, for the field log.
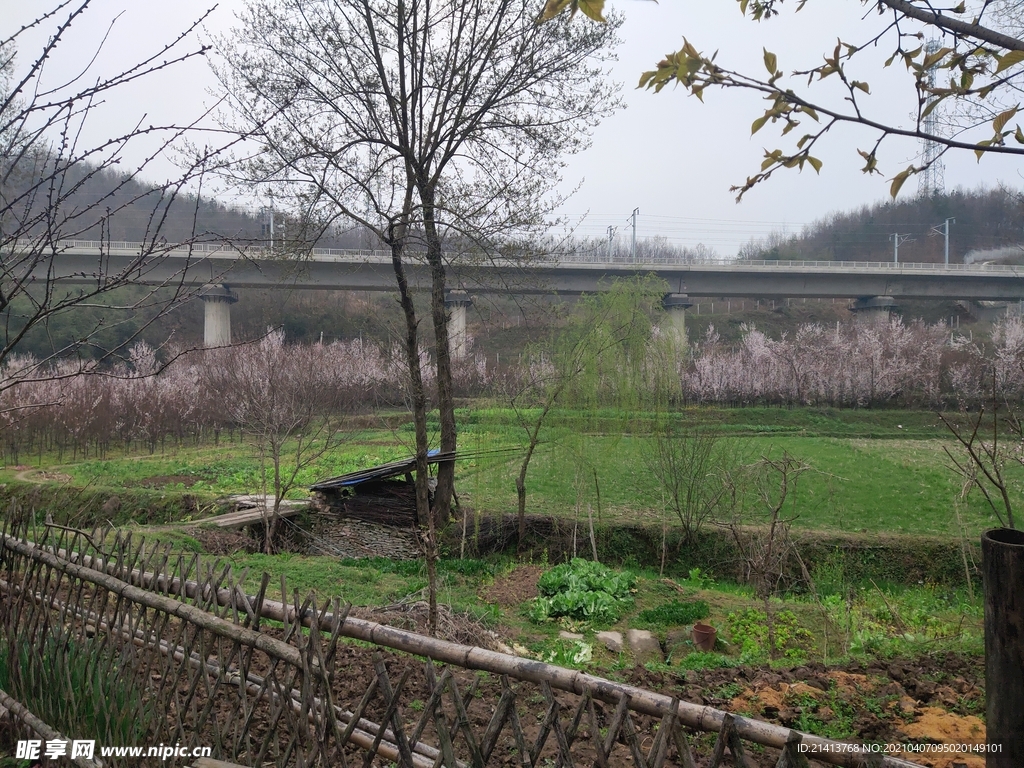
(644, 645)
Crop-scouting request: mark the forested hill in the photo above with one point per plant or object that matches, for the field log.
(93, 203)
(986, 220)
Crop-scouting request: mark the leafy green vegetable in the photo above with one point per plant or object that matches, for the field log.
(582, 590)
(674, 614)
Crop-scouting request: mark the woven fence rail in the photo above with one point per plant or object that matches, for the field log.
(106, 639)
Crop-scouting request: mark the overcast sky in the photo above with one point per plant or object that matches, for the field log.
(666, 154)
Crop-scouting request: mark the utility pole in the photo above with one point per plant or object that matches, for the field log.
(632, 245)
(611, 236)
(897, 241)
(943, 229)
(946, 250)
(267, 228)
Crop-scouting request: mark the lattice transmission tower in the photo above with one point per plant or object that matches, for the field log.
(932, 180)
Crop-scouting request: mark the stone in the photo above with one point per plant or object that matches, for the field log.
(907, 706)
(612, 640)
(644, 645)
(570, 635)
(111, 505)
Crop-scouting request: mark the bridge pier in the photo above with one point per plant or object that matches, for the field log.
(217, 301)
(456, 302)
(874, 309)
(675, 305)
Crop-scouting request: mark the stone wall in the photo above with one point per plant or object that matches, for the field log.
(347, 538)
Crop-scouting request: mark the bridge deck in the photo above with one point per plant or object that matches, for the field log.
(88, 262)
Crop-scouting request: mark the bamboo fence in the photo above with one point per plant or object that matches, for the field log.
(175, 644)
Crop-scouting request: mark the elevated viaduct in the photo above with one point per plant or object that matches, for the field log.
(219, 267)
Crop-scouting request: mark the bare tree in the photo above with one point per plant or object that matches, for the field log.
(758, 494)
(56, 186)
(981, 462)
(290, 406)
(688, 459)
(426, 123)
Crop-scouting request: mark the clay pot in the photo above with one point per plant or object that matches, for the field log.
(703, 636)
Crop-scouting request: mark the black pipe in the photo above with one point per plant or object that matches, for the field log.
(1002, 552)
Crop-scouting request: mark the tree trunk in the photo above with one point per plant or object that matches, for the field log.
(440, 511)
(442, 353)
(419, 415)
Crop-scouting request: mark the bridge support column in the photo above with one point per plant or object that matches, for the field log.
(456, 303)
(874, 309)
(217, 301)
(675, 305)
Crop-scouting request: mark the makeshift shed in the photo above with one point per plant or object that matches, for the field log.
(385, 495)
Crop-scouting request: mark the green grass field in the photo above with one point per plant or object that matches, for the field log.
(874, 471)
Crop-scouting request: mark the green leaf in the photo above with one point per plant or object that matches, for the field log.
(1019, 136)
(930, 106)
(1002, 119)
(934, 58)
(592, 9)
(758, 124)
(861, 86)
(771, 62)
(552, 8)
(1007, 60)
(815, 163)
(898, 180)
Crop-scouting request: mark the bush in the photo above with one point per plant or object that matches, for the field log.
(582, 590)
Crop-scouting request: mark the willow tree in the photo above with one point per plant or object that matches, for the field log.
(427, 122)
(608, 354)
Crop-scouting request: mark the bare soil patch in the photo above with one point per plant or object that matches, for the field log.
(220, 541)
(514, 588)
(162, 481)
(876, 696)
(934, 699)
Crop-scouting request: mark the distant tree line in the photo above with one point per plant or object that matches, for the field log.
(985, 219)
(144, 405)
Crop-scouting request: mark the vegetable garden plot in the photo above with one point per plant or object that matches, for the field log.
(199, 663)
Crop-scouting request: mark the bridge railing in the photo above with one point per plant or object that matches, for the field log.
(556, 259)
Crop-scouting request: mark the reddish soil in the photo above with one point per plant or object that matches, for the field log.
(926, 700)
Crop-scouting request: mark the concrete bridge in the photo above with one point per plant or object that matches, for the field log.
(220, 267)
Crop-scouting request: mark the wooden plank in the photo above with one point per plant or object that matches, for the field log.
(247, 517)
